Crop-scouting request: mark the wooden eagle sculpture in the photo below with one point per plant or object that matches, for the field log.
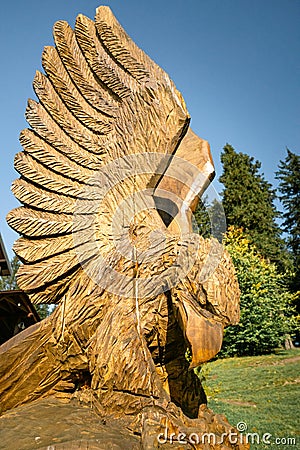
(110, 174)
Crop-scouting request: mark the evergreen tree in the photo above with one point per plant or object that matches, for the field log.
(210, 219)
(248, 201)
(289, 188)
(202, 223)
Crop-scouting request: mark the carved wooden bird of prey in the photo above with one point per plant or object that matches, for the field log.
(110, 174)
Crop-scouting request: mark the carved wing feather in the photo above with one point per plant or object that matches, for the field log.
(101, 97)
(67, 91)
(31, 251)
(59, 112)
(121, 47)
(36, 223)
(28, 194)
(80, 72)
(36, 173)
(48, 130)
(115, 79)
(71, 167)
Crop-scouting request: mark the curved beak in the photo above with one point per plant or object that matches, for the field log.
(203, 332)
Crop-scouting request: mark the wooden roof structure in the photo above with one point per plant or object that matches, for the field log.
(16, 313)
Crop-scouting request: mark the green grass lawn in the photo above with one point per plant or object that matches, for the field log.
(261, 391)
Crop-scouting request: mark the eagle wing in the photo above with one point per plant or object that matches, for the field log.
(101, 99)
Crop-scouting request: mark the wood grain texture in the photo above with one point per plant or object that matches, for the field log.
(109, 148)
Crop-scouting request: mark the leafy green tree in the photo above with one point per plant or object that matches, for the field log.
(248, 201)
(289, 189)
(267, 314)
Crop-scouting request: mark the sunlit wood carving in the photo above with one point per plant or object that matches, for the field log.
(109, 177)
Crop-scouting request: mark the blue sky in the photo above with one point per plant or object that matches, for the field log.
(236, 63)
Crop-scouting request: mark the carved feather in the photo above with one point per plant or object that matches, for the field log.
(44, 125)
(80, 72)
(100, 98)
(61, 163)
(36, 173)
(121, 47)
(30, 251)
(33, 223)
(72, 97)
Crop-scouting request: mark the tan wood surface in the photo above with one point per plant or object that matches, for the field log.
(109, 148)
